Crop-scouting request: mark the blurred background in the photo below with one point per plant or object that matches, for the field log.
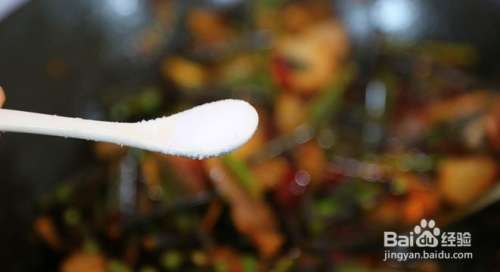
(373, 116)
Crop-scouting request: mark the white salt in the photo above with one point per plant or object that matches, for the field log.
(203, 131)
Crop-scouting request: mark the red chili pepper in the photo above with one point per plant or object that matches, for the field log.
(281, 71)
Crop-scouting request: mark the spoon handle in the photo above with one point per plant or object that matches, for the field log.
(45, 124)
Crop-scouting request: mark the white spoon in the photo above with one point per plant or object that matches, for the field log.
(203, 131)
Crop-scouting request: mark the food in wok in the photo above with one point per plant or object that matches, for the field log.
(338, 156)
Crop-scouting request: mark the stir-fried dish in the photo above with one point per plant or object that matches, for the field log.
(339, 155)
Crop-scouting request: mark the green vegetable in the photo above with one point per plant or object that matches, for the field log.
(329, 101)
(72, 217)
(249, 263)
(326, 206)
(242, 173)
(220, 267)
(283, 265)
(171, 260)
(118, 266)
(63, 193)
(145, 102)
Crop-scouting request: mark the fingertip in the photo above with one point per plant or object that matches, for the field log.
(2, 96)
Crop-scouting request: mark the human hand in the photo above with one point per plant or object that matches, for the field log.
(2, 97)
